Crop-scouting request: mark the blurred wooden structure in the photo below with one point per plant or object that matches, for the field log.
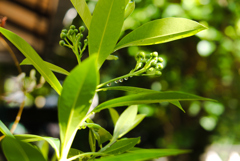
(29, 19)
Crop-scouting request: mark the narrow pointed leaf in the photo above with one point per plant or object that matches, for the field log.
(145, 98)
(143, 154)
(51, 66)
(75, 100)
(92, 141)
(105, 28)
(18, 150)
(4, 130)
(122, 145)
(114, 115)
(83, 11)
(54, 142)
(125, 122)
(160, 31)
(137, 121)
(34, 58)
(129, 9)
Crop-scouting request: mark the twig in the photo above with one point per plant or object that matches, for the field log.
(18, 117)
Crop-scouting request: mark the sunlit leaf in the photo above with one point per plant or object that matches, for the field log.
(51, 66)
(78, 90)
(114, 115)
(4, 130)
(83, 11)
(129, 9)
(143, 154)
(105, 28)
(160, 31)
(145, 98)
(34, 58)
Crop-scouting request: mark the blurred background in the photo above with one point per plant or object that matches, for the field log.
(207, 64)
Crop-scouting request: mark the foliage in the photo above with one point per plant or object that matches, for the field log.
(81, 84)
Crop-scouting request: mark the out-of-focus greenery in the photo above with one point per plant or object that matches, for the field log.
(207, 65)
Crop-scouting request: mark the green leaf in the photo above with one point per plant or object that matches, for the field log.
(75, 100)
(125, 122)
(145, 98)
(101, 134)
(143, 154)
(4, 130)
(92, 141)
(44, 148)
(18, 150)
(34, 58)
(129, 9)
(138, 120)
(114, 115)
(160, 31)
(73, 152)
(83, 11)
(122, 145)
(136, 90)
(105, 28)
(49, 65)
(112, 57)
(54, 142)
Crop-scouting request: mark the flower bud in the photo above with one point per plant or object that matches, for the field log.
(70, 32)
(155, 54)
(76, 31)
(85, 41)
(158, 73)
(159, 66)
(160, 59)
(64, 30)
(72, 27)
(151, 69)
(62, 43)
(63, 35)
(141, 55)
(81, 28)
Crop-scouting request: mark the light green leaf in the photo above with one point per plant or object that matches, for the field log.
(122, 145)
(114, 115)
(4, 130)
(83, 11)
(49, 65)
(18, 150)
(54, 142)
(143, 154)
(137, 121)
(105, 28)
(112, 57)
(125, 122)
(78, 90)
(92, 141)
(145, 98)
(44, 149)
(160, 31)
(129, 9)
(34, 58)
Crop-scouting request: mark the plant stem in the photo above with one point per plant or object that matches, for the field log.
(18, 117)
(85, 154)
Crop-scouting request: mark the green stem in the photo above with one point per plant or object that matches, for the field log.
(85, 154)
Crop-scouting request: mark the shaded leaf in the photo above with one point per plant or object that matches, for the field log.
(160, 31)
(78, 90)
(54, 142)
(52, 67)
(122, 145)
(18, 150)
(114, 115)
(34, 58)
(83, 11)
(105, 28)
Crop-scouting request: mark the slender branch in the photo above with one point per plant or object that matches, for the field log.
(18, 117)
(12, 54)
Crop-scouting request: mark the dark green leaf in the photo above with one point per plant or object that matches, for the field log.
(18, 150)
(145, 98)
(75, 100)
(49, 65)
(83, 11)
(34, 58)
(160, 31)
(122, 145)
(143, 154)
(54, 142)
(105, 28)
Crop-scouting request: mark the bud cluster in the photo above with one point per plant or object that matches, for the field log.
(148, 64)
(72, 39)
